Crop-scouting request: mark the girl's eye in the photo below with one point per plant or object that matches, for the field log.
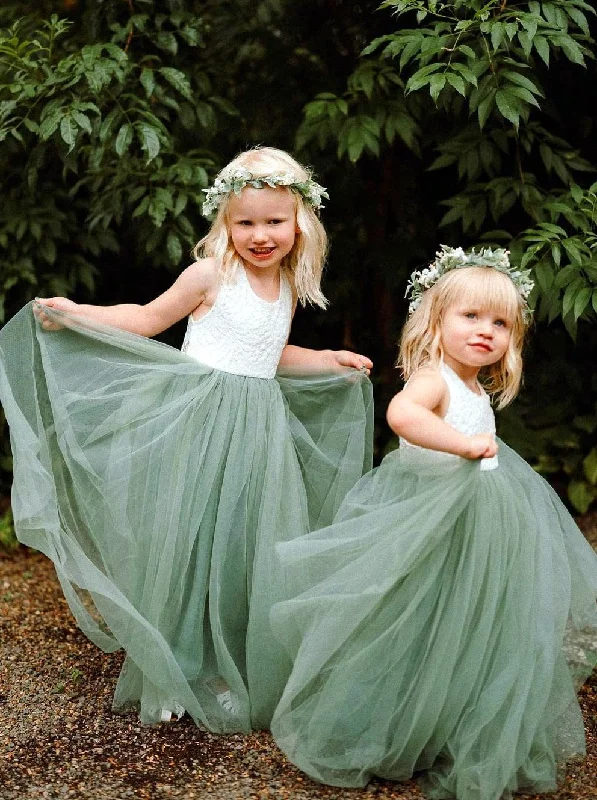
(470, 314)
(276, 221)
(502, 323)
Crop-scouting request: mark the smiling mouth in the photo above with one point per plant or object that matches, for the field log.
(482, 346)
(261, 251)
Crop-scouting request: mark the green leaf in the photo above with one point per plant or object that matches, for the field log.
(109, 123)
(174, 247)
(142, 207)
(525, 95)
(594, 300)
(577, 193)
(571, 248)
(468, 51)
(511, 29)
(497, 34)
(570, 295)
(590, 466)
(582, 300)
(150, 141)
(467, 74)
(484, 109)
(48, 251)
(542, 47)
(167, 41)
(436, 84)
(581, 495)
(546, 156)
(508, 106)
(565, 276)
(544, 275)
(530, 25)
(148, 81)
(571, 49)
(521, 80)
(178, 80)
(571, 326)
(550, 227)
(529, 255)
(205, 115)
(49, 124)
(31, 125)
(421, 78)
(445, 160)
(82, 121)
(406, 128)
(124, 139)
(578, 17)
(457, 82)
(68, 131)
(526, 42)
(181, 203)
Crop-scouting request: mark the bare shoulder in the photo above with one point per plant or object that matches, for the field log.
(425, 387)
(427, 376)
(203, 272)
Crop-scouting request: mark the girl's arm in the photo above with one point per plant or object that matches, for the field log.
(301, 358)
(416, 414)
(184, 296)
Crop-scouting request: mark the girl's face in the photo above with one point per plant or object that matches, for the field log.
(263, 225)
(473, 337)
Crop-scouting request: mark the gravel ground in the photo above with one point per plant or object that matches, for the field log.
(59, 738)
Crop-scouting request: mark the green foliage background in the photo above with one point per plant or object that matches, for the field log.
(457, 122)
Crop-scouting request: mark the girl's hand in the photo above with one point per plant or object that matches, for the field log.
(346, 358)
(302, 359)
(481, 446)
(59, 303)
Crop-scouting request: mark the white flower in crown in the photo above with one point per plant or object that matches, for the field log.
(236, 178)
(449, 258)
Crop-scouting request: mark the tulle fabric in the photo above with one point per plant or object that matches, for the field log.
(445, 620)
(158, 487)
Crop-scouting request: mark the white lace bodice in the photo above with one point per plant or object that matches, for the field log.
(468, 412)
(242, 333)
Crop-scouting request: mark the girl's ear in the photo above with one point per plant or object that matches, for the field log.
(297, 229)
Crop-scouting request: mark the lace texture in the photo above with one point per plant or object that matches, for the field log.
(242, 334)
(468, 413)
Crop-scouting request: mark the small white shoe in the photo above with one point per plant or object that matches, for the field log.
(173, 715)
(228, 702)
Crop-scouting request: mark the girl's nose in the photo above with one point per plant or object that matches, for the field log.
(259, 234)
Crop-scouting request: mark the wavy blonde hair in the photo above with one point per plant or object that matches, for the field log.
(304, 264)
(483, 288)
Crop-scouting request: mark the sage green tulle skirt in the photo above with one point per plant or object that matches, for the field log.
(446, 618)
(159, 487)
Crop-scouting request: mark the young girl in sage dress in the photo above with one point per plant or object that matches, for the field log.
(450, 608)
(158, 481)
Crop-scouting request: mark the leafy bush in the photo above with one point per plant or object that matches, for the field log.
(467, 88)
(95, 149)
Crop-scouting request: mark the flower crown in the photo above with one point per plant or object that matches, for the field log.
(235, 180)
(449, 258)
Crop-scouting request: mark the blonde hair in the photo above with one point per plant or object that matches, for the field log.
(304, 264)
(482, 287)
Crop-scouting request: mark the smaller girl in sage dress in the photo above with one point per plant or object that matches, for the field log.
(446, 616)
(159, 481)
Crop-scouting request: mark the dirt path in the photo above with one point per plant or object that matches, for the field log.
(59, 739)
